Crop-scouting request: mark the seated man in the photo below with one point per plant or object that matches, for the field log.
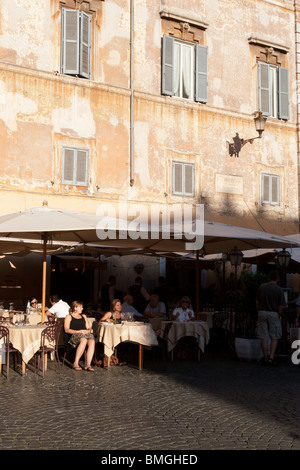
(155, 308)
(58, 307)
(127, 306)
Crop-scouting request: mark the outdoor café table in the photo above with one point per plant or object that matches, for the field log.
(180, 329)
(136, 332)
(32, 318)
(27, 339)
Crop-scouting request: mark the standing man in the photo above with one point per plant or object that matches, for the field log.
(270, 303)
(139, 294)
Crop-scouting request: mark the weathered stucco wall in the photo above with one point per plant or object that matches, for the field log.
(41, 110)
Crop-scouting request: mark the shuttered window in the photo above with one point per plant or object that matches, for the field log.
(273, 91)
(184, 69)
(76, 43)
(75, 166)
(270, 189)
(183, 179)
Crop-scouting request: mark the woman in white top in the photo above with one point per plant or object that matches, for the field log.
(183, 313)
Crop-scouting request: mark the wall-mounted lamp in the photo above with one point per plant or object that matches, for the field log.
(283, 258)
(238, 143)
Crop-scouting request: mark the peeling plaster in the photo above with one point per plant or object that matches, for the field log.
(79, 117)
(13, 105)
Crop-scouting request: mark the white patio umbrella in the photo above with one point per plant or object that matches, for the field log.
(58, 225)
(53, 227)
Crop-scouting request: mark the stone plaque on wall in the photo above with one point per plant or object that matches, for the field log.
(229, 184)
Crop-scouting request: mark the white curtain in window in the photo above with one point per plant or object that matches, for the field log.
(176, 69)
(186, 72)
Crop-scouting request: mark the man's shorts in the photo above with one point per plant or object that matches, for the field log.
(268, 324)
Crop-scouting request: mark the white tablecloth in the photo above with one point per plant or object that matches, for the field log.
(178, 330)
(111, 335)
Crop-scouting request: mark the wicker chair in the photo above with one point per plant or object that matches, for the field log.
(50, 334)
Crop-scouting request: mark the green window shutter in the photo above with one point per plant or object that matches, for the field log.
(201, 71)
(263, 88)
(283, 93)
(167, 65)
(85, 45)
(70, 41)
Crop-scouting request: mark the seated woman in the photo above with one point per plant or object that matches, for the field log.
(183, 313)
(114, 313)
(76, 324)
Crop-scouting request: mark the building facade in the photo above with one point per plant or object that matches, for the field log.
(109, 100)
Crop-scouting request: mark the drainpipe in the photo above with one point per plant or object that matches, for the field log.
(131, 93)
(297, 91)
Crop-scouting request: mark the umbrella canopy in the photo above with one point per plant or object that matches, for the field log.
(54, 227)
(217, 238)
(58, 225)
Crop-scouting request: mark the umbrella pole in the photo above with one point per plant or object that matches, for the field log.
(44, 279)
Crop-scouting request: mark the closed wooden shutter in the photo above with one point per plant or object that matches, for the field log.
(183, 179)
(70, 41)
(82, 160)
(68, 166)
(177, 178)
(270, 189)
(75, 166)
(283, 93)
(85, 45)
(189, 180)
(167, 65)
(201, 71)
(263, 88)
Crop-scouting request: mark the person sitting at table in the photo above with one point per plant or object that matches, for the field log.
(155, 308)
(127, 306)
(77, 325)
(33, 304)
(114, 313)
(183, 313)
(58, 307)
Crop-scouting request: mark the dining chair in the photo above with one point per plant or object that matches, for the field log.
(49, 335)
(8, 348)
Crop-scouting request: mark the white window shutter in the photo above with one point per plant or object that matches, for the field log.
(68, 166)
(283, 93)
(70, 41)
(189, 180)
(263, 88)
(85, 45)
(275, 189)
(177, 178)
(270, 189)
(201, 93)
(82, 165)
(167, 65)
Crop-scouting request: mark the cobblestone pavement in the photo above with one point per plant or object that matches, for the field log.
(217, 403)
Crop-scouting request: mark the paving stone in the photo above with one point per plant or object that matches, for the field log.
(217, 403)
